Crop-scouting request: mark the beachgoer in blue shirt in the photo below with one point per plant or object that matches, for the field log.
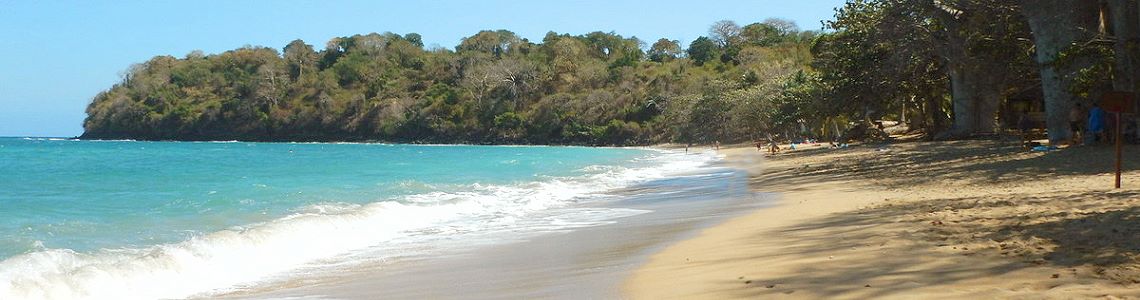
(1096, 120)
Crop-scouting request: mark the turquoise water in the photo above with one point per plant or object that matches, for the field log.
(92, 218)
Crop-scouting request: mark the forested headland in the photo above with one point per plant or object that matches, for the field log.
(952, 68)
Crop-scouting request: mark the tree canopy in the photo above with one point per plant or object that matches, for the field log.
(947, 68)
(958, 68)
(494, 87)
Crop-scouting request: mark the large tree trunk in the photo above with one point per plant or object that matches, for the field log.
(1125, 23)
(989, 95)
(962, 104)
(960, 97)
(1057, 25)
(938, 119)
(975, 89)
(976, 96)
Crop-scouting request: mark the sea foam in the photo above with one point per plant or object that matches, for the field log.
(240, 255)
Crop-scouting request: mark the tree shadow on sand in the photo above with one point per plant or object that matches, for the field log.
(833, 274)
(1093, 230)
(909, 234)
(1106, 241)
(909, 164)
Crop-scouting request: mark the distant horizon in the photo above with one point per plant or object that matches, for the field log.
(81, 48)
(36, 136)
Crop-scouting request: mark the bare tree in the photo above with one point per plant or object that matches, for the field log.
(783, 26)
(725, 32)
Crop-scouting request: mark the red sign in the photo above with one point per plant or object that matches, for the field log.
(1117, 102)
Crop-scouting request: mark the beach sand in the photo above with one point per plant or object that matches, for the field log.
(918, 220)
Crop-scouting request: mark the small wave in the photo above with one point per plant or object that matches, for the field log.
(44, 139)
(105, 141)
(598, 168)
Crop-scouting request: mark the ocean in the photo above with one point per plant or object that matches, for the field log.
(147, 220)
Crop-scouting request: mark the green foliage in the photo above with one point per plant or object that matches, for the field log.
(664, 50)
(508, 121)
(886, 57)
(877, 59)
(760, 34)
(597, 88)
(1098, 61)
(702, 50)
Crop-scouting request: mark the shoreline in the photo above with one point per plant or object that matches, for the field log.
(297, 243)
(668, 273)
(968, 219)
(583, 263)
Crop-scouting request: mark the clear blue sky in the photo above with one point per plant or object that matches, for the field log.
(56, 55)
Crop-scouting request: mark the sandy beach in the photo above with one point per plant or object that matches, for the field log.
(978, 219)
(917, 220)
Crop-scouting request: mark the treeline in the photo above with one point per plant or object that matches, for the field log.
(957, 68)
(494, 87)
(946, 68)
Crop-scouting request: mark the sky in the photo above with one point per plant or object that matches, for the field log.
(55, 56)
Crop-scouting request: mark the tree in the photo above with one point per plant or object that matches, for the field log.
(703, 50)
(415, 39)
(665, 50)
(849, 58)
(299, 57)
(783, 27)
(613, 48)
(1125, 24)
(981, 56)
(496, 43)
(1060, 29)
(912, 41)
(760, 34)
(725, 33)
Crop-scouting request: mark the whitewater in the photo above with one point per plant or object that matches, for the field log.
(146, 220)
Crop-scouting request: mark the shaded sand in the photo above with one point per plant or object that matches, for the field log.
(921, 220)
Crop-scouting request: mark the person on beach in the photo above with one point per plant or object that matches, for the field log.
(773, 148)
(1096, 124)
(1076, 120)
(1025, 126)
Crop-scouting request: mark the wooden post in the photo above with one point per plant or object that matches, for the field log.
(1119, 136)
(1119, 104)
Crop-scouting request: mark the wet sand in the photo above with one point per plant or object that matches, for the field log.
(921, 220)
(586, 263)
